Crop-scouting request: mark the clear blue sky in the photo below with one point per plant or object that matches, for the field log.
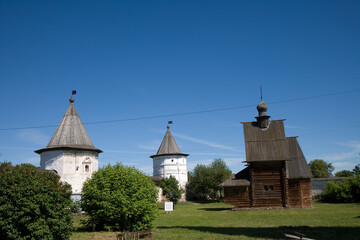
(135, 59)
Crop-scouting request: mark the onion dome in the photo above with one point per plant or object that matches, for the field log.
(262, 108)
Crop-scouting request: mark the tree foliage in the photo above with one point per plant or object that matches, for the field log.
(205, 179)
(344, 173)
(345, 191)
(320, 168)
(356, 170)
(120, 198)
(171, 189)
(34, 204)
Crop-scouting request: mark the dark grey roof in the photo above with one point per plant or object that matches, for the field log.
(70, 134)
(168, 146)
(297, 167)
(243, 174)
(235, 183)
(265, 144)
(242, 178)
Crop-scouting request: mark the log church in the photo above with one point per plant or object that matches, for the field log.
(276, 175)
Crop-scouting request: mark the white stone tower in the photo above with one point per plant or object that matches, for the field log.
(170, 161)
(70, 152)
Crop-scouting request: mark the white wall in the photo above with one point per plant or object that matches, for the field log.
(71, 165)
(171, 165)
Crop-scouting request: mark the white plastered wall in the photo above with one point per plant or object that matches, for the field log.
(73, 166)
(171, 165)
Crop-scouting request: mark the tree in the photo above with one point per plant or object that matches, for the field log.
(205, 179)
(320, 168)
(356, 170)
(171, 189)
(344, 173)
(34, 204)
(119, 198)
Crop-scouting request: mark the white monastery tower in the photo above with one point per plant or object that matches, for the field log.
(70, 152)
(170, 161)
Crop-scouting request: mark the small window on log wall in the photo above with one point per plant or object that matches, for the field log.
(268, 188)
(236, 192)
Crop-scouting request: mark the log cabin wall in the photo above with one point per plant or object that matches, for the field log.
(266, 180)
(306, 199)
(237, 196)
(294, 191)
(300, 193)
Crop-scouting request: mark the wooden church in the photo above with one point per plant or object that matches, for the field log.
(276, 175)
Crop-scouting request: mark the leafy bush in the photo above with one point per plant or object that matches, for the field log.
(34, 204)
(171, 189)
(205, 179)
(344, 173)
(75, 206)
(345, 191)
(118, 198)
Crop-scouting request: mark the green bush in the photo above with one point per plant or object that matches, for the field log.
(205, 180)
(118, 198)
(344, 173)
(345, 191)
(34, 204)
(171, 189)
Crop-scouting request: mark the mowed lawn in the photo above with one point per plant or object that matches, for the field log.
(192, 220)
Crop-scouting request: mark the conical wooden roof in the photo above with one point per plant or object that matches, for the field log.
(168, 146)
(70, 133)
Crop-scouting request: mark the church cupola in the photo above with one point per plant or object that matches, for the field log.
(262, 119)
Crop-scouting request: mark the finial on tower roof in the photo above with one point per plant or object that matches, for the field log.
(169, 122)
(72, 94)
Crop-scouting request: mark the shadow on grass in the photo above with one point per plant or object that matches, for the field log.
(83, 229)
(318, 233)
(216, 209)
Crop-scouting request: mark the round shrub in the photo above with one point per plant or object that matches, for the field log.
(119, 198)
(34, 204)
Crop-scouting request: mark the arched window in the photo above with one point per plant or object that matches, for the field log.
(87, 168)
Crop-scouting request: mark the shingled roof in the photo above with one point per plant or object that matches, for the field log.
(297, 167)
(168, 146)
(70, 134)
(265, 144)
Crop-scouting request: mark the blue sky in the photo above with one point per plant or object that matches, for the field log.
(140, 59)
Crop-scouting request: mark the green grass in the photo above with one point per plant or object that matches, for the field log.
(216, 221)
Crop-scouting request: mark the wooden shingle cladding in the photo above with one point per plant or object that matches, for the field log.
(267, 144)
(297, 168)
